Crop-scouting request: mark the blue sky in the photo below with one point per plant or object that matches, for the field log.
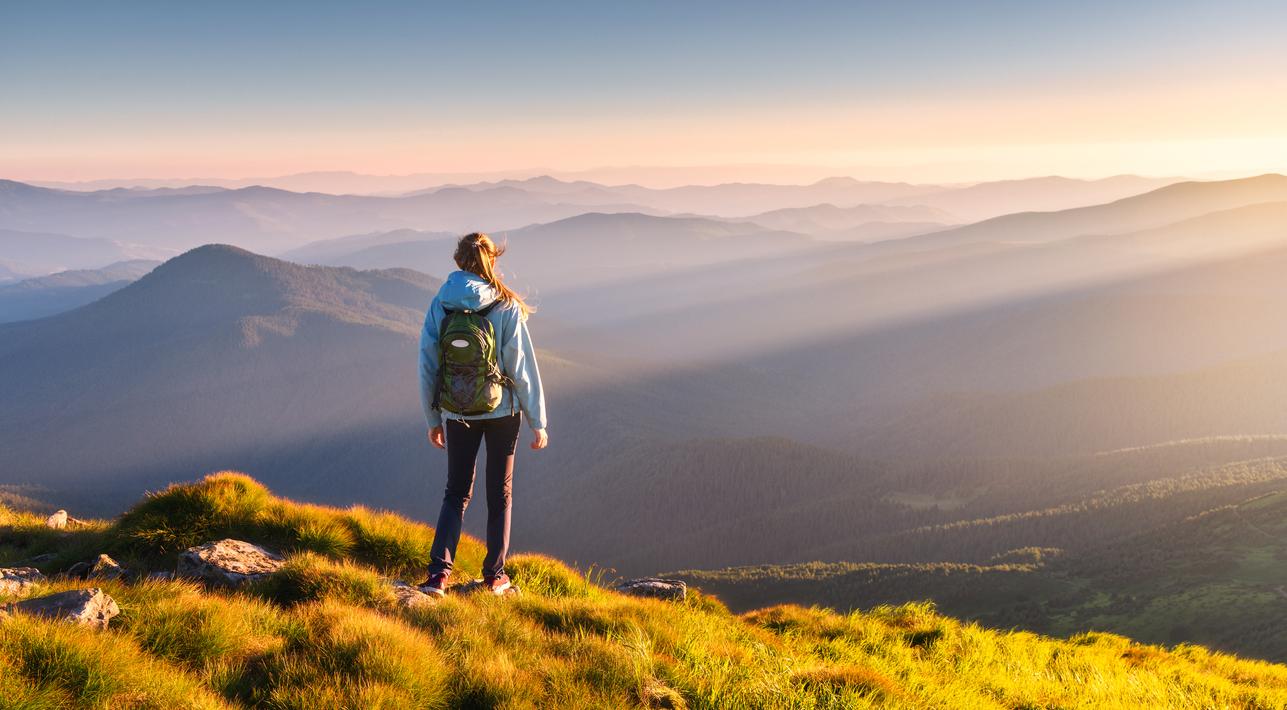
(93, 88)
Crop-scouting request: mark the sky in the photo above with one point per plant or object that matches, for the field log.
(922, 91)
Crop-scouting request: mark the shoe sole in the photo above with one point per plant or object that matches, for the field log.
(500, 591)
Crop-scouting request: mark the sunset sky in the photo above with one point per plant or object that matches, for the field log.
(929, 91)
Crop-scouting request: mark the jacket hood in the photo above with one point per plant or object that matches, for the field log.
(465, 290)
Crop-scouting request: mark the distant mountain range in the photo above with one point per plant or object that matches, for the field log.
(982, 368)
(27, 254)
(65, 290)
(276, 220)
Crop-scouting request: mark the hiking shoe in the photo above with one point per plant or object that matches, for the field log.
(435, 585)
(497, 585)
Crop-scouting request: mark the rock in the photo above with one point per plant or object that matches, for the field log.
(106, 568)
(161, 576)
(671, 589)
(40, 559)
(227, 563)
(19, 580)
(90, 607)
(409, 596)
(103, 567)
(57, 521)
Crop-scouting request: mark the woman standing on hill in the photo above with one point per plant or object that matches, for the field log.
(478, 372)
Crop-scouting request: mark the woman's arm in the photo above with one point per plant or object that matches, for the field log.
(429, 363)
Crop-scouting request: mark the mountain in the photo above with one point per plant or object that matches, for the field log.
(214, 352)
(65, 290)
(1165, 205)
(858, 223)
(1041, 194)
(266, 218)
(37, 254)
(327, 629)
(595, 248)
(327, 251)
(744, 199)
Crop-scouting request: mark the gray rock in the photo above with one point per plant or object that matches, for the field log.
(670, 589)
(409, 596)
(90, 607)
(227, 563)
(40, 559)
(57, 521)
(161, 576)
(19, 580)
(103, 567)
(106, 568)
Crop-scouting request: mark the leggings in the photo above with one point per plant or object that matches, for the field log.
(463, 441)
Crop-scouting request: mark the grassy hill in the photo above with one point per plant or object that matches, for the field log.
(325, 632)
(1214, 578)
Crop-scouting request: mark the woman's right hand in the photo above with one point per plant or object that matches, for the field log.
(540, 439)
(436, 438)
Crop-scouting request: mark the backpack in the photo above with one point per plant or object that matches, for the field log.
(470, 379)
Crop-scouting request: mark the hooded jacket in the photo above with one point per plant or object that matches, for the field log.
(463, 289)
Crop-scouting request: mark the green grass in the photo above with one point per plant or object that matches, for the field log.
(326, 633)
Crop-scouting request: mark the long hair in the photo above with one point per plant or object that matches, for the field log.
(477, 254)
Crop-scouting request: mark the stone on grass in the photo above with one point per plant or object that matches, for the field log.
(90, 607)
(19, 580)
(656, 588)
(409, 597)
(106, 568)
(57, 521)
(227, 563)
(102, 567)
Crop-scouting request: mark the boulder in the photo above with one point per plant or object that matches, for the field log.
(227, 563)
(102, 567)
(670, 589)
(57, 521)
(19, 580)
(409, 596)
(106, 568)
(90, 607)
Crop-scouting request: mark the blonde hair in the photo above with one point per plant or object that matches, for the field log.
(477, 254)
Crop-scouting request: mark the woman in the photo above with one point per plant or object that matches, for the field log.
(478, 373)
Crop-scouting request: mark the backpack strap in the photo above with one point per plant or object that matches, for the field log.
(442, 330)
(504, 379)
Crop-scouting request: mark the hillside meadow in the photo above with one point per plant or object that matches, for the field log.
(325, 632)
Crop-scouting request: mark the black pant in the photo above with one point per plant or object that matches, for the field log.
(463, 441)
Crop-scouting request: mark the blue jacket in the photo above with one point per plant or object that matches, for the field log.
(463, 289)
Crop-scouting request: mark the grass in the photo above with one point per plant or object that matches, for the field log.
(325, 632)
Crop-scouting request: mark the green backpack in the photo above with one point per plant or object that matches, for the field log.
(470, 379)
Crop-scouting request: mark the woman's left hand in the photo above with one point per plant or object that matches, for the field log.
(540, 439)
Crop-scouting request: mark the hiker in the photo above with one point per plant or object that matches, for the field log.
(478, 379)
